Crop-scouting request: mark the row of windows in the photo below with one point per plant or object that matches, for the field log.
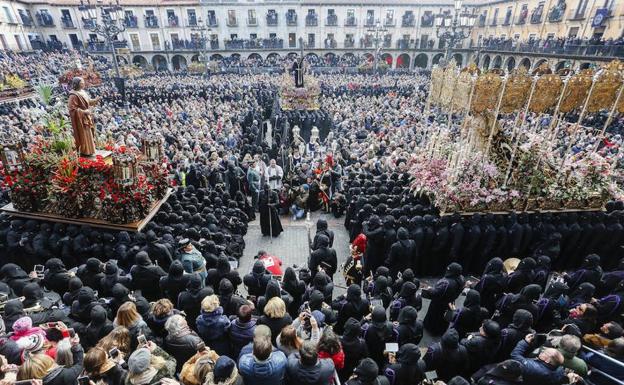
(151, 19)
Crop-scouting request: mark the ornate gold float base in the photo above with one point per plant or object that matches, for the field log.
(134, 226)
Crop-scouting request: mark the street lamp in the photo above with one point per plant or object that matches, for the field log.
(112, 22)
(377, 30)
(204, 34)
(453, 29)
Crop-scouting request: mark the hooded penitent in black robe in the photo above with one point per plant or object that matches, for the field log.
(269, 219)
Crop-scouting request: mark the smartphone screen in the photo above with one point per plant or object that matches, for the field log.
(376, 302)
(392, 347)
(84, 380)
(113, 353)
(234, 265)
(39, 268)
(432, 375)
(142, 340)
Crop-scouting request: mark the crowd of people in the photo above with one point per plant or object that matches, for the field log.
(170, 306)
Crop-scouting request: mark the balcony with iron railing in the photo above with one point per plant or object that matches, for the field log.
(554, 47)
(252, 21)
(330, 44)
(506, 21)
(254, 44)
(151, 21)
(27, 21)
(331, 21)
(349, 43)
(350, 21)
(130, 21)
(408, 21)
(389, 22)
(311, 20)
(67, 23)
(271, 19)
(173, 21)
(191, 22)
(291, 19)
(44, 19)
(370, 22)
(212, 21)
(426, 21)
(403, 44)
(536, 15)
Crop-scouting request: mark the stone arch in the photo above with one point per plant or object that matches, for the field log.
(387, 58)
(539, 63)
(195, 58)
(498, 62)
(347, 58)
(255, 57)
(122, 60)
(273, 57)
(510, 63)
(562, 65)
(160, 63)
(330, 58)
(526, 63)
(486, 62)
(140, 60)
(368, 57)
(459, 59)
(291, 55)
(403, 61)
(585, 65)
(421, 60)
(178, 62)
(235, 56)
(436, 59)
(216, 57)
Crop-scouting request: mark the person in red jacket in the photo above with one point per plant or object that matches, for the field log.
(329, 347)
(352, 268)
(271, 262)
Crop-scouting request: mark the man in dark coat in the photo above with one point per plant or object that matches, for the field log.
(146, 276)
(324, 258)
(401, 253)
(321, 229)
(157, 251)
(91, 273)
(374, 255)
(174, 282)
(256, 281)
(447, 357)
(445, 291)
(268, 202)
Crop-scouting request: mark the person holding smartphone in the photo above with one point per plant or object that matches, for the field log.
(546, 368)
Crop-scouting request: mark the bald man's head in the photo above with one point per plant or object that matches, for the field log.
(551, 356)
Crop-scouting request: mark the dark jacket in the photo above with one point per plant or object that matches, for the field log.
(240, 334)
(213, 328)
(189, 301)
(275, 324)
(182, 347)
(64, 376)
(175, 282)
(447, 357)
(319, 374)
(535, 371)
(350, 306)
(146, 277)
(113, 376)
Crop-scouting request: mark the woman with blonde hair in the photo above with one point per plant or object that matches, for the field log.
(102, 369)
(195, 370)
(42, 367)
(129, 317)
(118, 338)
(275, 317)
(158, 316)
(149, 365)
(213, 325)
(288, 341)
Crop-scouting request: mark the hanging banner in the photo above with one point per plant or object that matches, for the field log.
(601, 16)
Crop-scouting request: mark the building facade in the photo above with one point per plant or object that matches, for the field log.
(169, 34)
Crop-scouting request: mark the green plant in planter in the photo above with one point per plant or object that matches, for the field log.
(45, 92)
(57, 125)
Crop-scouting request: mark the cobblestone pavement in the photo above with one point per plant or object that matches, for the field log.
(292, 248)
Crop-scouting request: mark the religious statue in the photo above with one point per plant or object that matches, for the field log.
(297, 70)
(79, 105)
(313, 148)
(297, 140)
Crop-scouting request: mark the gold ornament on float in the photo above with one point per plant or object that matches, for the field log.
(605, 89)
(543, 69)
(463, 87)
(576, 91)
(437, 77)
(516, 91)
(546, 93)
(486, 92)
(472, 69)
(448, 84)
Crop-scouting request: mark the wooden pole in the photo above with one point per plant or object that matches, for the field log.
(516, 135)
(495, 119)
(610, 118)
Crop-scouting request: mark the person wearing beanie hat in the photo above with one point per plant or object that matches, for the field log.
(508, 372)
(405, 367)
(23, 327)
(367, 373)
(447, 357)
(224, 373)
(148, 365)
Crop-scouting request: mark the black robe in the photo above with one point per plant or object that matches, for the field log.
(269, 219)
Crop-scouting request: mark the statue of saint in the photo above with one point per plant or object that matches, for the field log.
(79, 105)
(297, 70)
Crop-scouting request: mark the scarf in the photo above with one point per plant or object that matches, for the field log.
(145, 377)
